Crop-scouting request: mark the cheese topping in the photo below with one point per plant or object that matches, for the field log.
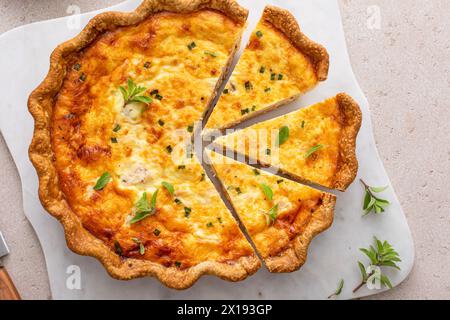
(270, 71)
(178, 59)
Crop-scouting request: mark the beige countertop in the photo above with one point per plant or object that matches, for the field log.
(403, 67)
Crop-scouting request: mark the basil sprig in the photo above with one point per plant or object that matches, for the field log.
(133, 93)
(283, 135)
(143, 210)
(373, 203)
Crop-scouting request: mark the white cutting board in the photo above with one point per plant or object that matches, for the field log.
(24, 60)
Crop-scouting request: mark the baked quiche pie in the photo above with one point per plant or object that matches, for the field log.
(314, 144)
(281, 216)
(110, 123)
(279, 64)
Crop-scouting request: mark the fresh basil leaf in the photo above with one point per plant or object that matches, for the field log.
(142, 204)
(142, 99)
(363, 271)
(367, 199)
(385, 281)
(102, 181)
(169, 187)
(283, 135)
(124, 93)
(141, 246)
(313, 150)
(340, 287)
(267, 191)
(273, 213)
(378, 189)
(153, 201)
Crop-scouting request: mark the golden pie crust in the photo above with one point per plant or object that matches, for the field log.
(41, 105)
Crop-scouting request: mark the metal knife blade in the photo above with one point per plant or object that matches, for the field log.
(4, 250)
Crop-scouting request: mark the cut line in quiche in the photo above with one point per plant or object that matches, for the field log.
(315, 144)
(278, 65)
(109, 122)
(281, 216)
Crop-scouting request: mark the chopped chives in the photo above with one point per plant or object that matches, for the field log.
(192, 45)
(262, 69)
(169, 149)
(116, 128)
(244, 111)
(212, 54)
(259, 34)
(187, 212)
(114, 140)
(161, 123)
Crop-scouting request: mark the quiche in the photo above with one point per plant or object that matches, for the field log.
(281, 216)
(113, 120)
(314, 144)
(279, 64)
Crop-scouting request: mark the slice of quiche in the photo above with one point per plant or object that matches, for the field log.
(281, 216)
(279, 64)
(314, 144)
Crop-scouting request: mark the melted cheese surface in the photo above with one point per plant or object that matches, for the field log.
(296, 203)
(270, 71)
(320, 124)
(179, 59)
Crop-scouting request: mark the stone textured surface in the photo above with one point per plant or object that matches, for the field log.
(402, 65)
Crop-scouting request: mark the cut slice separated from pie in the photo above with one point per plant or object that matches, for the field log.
(315, 144)
(281, 216)
(110, 123)
(279, 64)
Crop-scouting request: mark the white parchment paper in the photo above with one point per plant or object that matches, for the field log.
(24, 60)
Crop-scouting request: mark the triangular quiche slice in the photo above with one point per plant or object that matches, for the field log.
(279, 64)
(281, 216)
(315, 144)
